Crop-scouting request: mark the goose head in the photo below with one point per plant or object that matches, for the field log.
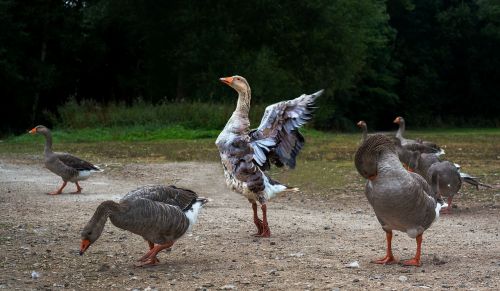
(236, 82)
(42, 129)
(89, 235)
(399, 120)
(361, 124)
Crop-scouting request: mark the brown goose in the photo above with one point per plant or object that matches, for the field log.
(160, 214)
(245, 154)
(401, 200)
(429, 147)
(362, 124)
(66, 166)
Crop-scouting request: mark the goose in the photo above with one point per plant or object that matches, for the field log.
(160, 214)
(66, 166)
(444, 176)
(430, 147)
(246, 155)
(402, 200)
(364, 129)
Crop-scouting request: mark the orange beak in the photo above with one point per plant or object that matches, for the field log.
(397, 120)
(84, 246)
(32, 131)
(227, 80)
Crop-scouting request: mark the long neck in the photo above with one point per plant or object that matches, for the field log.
(243, 106)
(365, 132)
(401, 129)
(389, 164)
(48, 142)
(101, 214)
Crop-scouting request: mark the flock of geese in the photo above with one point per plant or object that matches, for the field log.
(405, 178)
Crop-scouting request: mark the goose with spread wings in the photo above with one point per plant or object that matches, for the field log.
(246, 154)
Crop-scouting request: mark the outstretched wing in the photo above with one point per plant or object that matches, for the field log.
(277, 139)
(172, 195)
(76, 163)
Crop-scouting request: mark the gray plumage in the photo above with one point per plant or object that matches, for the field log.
(415, 145)
(401, 200)
(160, 214)
(246, 154)
(66, 166)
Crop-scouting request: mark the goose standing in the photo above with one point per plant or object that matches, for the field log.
(401, 200)
(160, 214)
(245, 154)
(429, 147)
(66, 166)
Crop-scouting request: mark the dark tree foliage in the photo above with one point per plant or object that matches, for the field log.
(434, 61)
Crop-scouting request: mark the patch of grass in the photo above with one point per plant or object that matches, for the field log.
(324, 166)
(129, 133)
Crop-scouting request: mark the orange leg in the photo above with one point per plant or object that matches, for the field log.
(389, 258)
(266, 232)
(150, 258)
(256, 220)
(416, 260)
(78, 189)
(447, 210)
(59, 191)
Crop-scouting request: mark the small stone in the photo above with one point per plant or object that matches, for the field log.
(228, 287)
(207, 284)
(35, 275)
(403, 279)
(355, 280)
(353, 265)
(272, 243)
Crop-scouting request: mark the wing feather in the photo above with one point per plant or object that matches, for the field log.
(277, 139)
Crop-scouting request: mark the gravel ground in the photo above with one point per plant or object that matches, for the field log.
(313, 239)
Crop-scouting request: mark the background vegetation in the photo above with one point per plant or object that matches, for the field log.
(115, 63)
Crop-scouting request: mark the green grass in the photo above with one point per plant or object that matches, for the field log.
(324, 166)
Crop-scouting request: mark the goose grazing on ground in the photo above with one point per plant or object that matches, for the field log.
(66, 166)
(429, 147)
(245, 154)
(401, 200)
(364, 129)
(160, 214)
(444, 177)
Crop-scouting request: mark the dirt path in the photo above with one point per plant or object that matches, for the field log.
(312, 240)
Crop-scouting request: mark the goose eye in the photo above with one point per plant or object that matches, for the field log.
(89, 233)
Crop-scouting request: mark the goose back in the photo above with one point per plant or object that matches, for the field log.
(172, 195)
(401, 200)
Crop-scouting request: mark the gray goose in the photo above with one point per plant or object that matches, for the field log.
(66, 166)
(160, 214)
(402, 200)
(444, 176)
(245, 154)
(420, 145)
(364, 129)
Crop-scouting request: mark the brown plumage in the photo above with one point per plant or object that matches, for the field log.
(66, 166)
(160, 214)
(246, 154)
(401, 200)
